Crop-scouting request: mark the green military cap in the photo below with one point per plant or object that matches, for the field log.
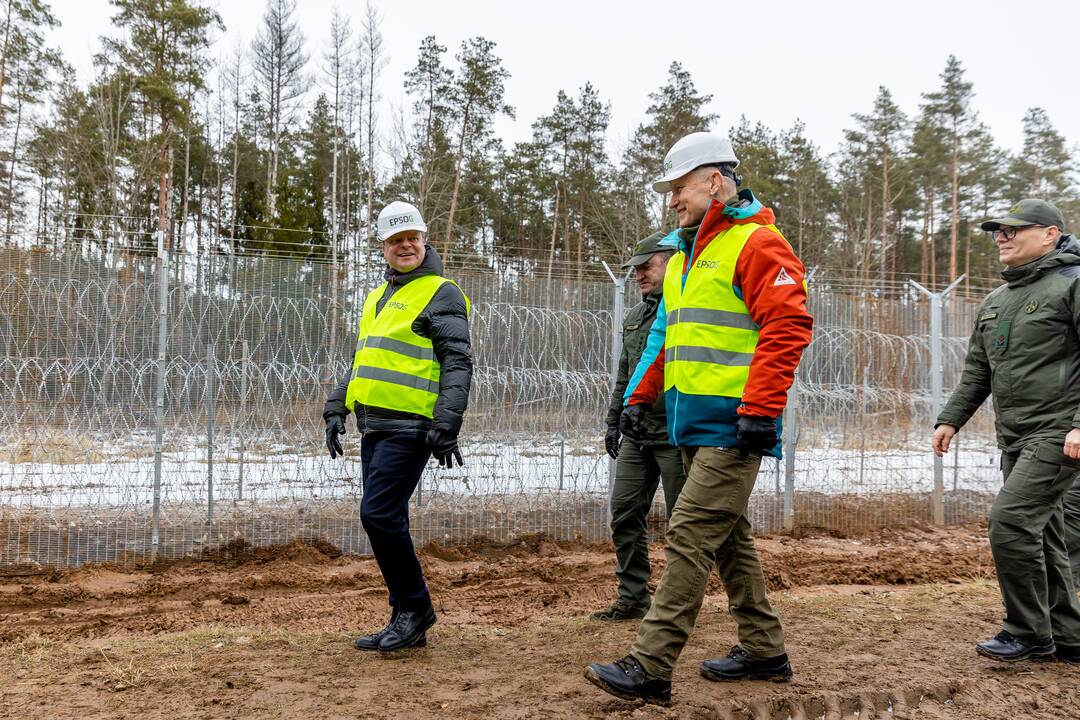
(1030, 211)
(658, 242)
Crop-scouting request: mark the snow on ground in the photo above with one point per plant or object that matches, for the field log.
(282, 471)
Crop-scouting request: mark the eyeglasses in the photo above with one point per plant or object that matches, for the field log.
(1010, 232)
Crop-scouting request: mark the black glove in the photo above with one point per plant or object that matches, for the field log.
(335, 425)
(444, 447)
(755, 434)
(611, 441)
(632, 420)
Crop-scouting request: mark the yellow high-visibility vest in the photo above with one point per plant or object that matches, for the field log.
(711, 338)
(393, 367)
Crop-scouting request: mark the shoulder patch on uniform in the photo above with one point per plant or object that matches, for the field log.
(783, 278)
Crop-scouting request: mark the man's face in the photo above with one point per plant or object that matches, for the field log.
(1019, 246)
(692, 194)
(404, 251)
(650, 274)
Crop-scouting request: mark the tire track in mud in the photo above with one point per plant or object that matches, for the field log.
(901, 703)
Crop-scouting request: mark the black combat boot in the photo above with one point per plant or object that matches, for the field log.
(1068, 653)
(741, 665)
(626, 679)
(620, 610)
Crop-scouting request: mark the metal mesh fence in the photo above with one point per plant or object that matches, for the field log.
(253, 345)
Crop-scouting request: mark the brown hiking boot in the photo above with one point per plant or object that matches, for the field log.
(620, 610)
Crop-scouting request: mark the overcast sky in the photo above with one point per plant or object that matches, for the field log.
(773, 61)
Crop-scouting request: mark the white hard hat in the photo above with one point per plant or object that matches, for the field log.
(398, 217)
(691, 152)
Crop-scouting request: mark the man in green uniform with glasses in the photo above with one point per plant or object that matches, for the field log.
(1025, 351)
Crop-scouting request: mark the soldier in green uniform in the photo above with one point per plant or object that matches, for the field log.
(640, 464)
(1025, 351)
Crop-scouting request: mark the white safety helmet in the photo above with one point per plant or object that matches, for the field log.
(691, 152)
(398, 217)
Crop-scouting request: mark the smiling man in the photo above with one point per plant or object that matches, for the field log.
(1025, 350)
(728, 335)
(409, 387)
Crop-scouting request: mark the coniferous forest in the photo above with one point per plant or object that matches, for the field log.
(286, 147)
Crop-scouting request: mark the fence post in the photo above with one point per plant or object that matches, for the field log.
(159, 419)
(211, 369)
(937, 304)
(791, 419)
(617, 312)
(791, 429)
(243, 408)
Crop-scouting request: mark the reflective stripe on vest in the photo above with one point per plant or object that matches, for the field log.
(393, 367)
(711, 337)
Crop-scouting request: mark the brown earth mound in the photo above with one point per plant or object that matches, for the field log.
(881, 626)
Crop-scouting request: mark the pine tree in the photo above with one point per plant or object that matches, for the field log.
(1044, 167)
(162, 49)
(875, 146)
(476, 99)
(26, 69)
(429, 83)
(677, 109)
(804, 199)
(950, 109)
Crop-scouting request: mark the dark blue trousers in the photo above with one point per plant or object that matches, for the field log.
(392, 464)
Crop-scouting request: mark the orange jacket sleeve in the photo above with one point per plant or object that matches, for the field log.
(770, 277)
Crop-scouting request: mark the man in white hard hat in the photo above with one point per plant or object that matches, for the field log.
(723, 350)
(409, 387)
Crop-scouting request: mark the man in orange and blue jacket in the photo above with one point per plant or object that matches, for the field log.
(728, 336)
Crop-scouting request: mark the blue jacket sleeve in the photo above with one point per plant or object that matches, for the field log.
(652, 356)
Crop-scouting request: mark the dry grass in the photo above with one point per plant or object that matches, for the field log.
(121, 676)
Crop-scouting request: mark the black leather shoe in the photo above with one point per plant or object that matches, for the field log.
(1067, 654)
(1008, 648)
(741, 665)
(408, 630)
(626, 679)
(371, 642)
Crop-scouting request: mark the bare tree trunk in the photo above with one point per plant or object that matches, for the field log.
(954, 226)
(924, 268)
(581, 231)
(164, 177)
(799, 201)
(4, 54)
(554, 232)
(184, 203)
(868, 243)
(884, 212)
(13, 164)
(457, 182)
(933, 249)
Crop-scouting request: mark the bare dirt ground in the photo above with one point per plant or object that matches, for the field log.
(878, 627)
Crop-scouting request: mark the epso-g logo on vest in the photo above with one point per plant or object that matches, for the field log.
(396, 305)
(707, 264)
(401, 220)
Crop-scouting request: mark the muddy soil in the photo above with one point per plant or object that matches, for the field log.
(878, 627)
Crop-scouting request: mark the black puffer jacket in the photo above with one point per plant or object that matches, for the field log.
(445, 322)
